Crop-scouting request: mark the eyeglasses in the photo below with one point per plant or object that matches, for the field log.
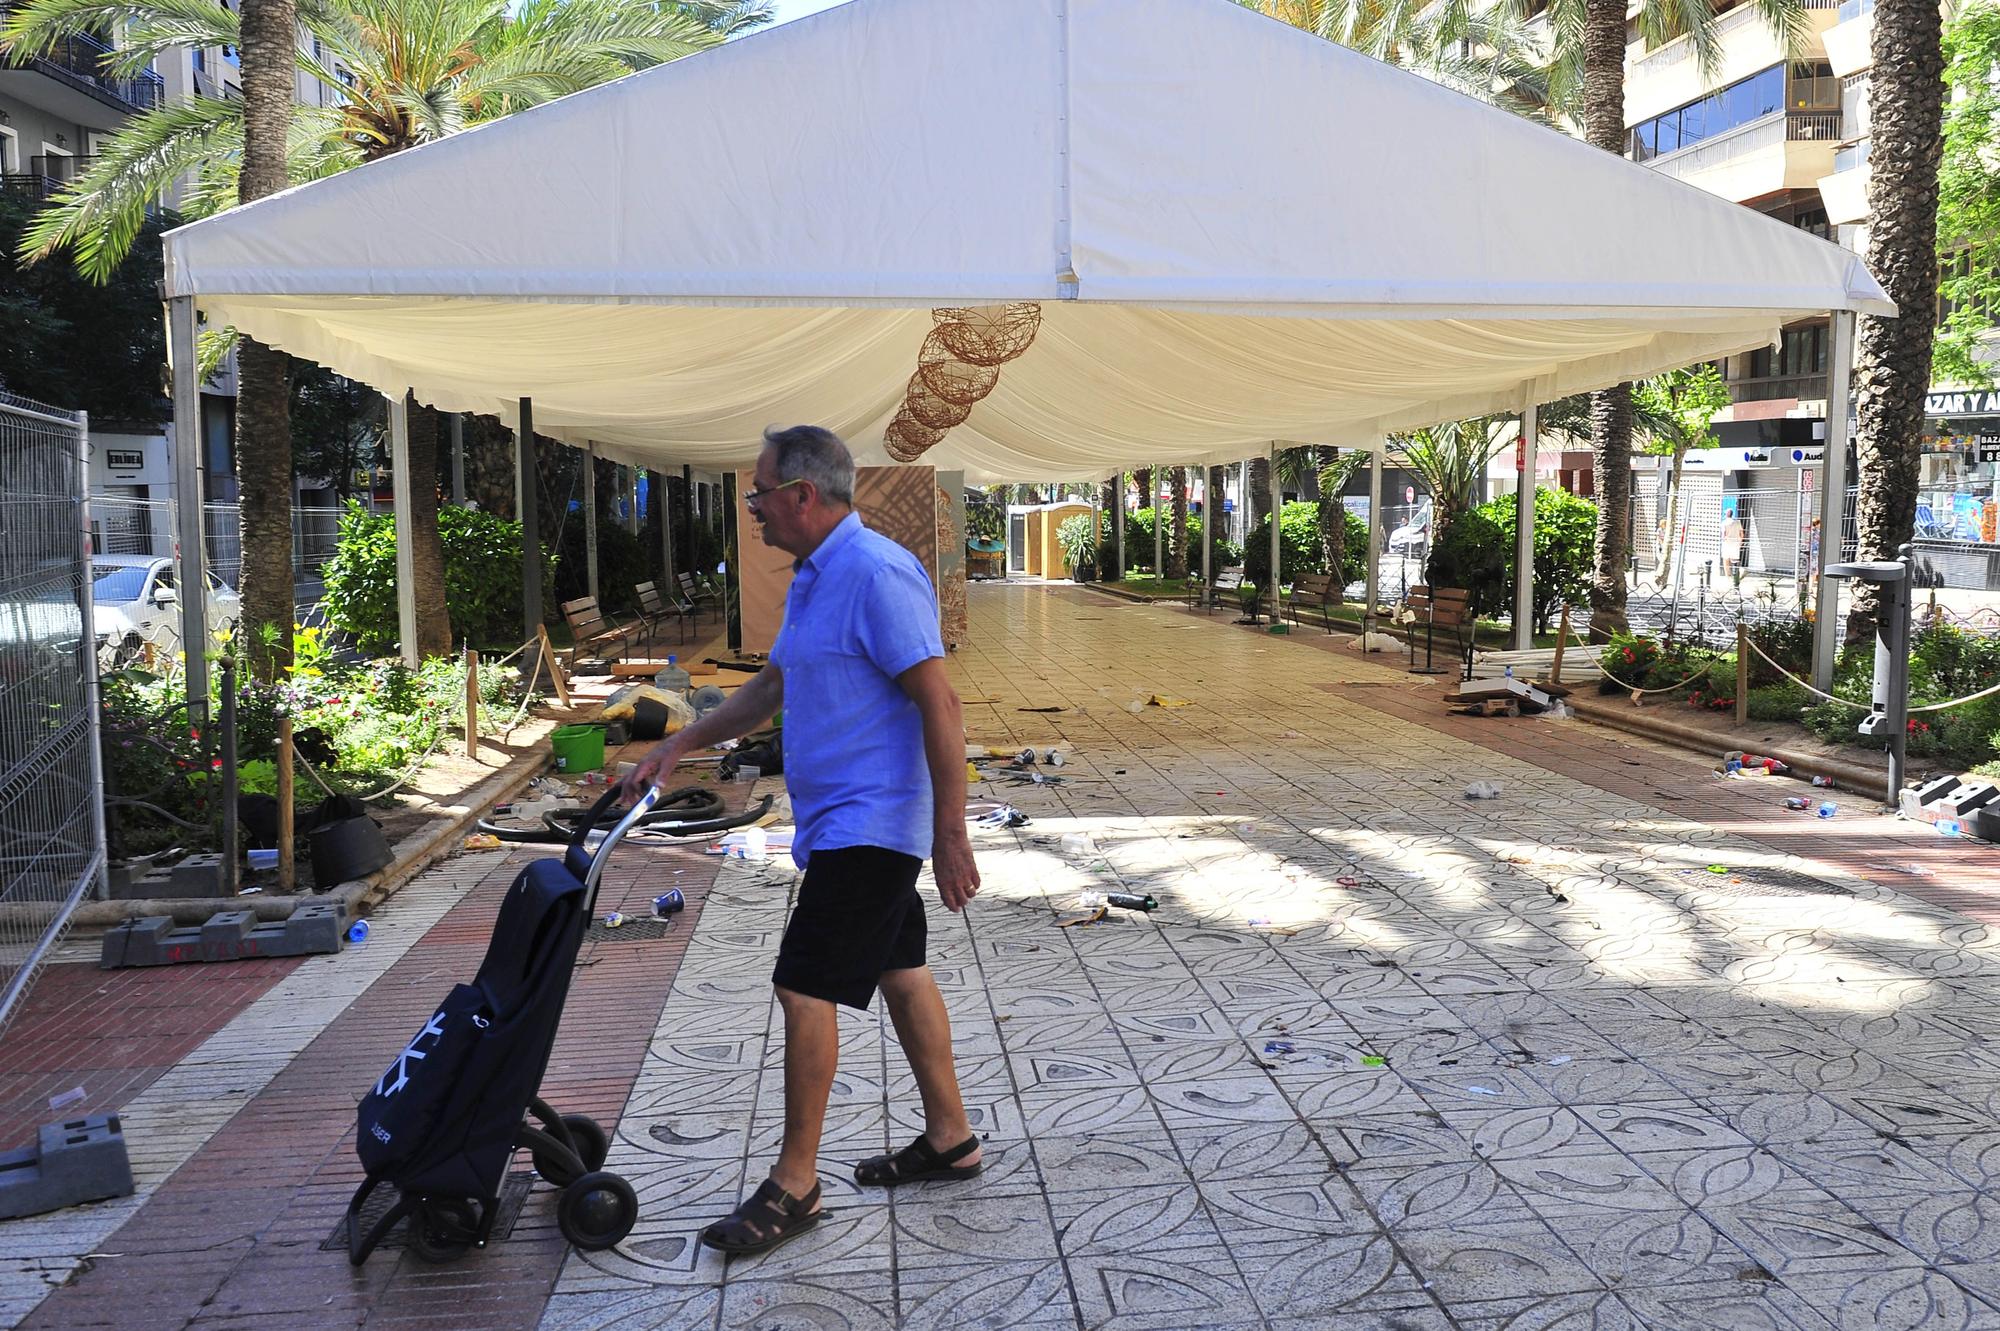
(754, 499)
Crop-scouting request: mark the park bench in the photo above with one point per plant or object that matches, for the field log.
(1316, 589)
(590, 629)
(655, 608)
(1428, 609)
(1221, 591)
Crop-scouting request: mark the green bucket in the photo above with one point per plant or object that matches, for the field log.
(578, 748)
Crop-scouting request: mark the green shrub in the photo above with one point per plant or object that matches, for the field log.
(482, 576)
(1782, 701)
(1945, 663)
(1075, 534)
(1139, 537)
(1476, 552)
(1299, 549)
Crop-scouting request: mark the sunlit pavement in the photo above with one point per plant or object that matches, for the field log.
(1384, 1057)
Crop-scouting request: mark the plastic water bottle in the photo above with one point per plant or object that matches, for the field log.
(1510, 672)
(1828, 808)
(756, 845)
(1949, 827)
(357, 932)
(672, 678)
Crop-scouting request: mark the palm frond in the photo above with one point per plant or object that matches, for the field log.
(154, 26)
(99, 215)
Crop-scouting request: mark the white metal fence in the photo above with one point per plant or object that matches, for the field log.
(51, 813)
(146, 527)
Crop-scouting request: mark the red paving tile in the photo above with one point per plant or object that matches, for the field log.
(233, 1238)
(114, 1032)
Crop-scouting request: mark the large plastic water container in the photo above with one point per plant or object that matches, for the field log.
(672, 678)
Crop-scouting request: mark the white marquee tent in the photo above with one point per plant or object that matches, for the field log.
(1238, 233)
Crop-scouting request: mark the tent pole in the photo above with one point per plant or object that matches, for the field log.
(1524, 530)
(531, 536)
(1245, 518)
(590, 521)
(1374, 541)
(1832, 499)
(1208, 519)
(1118, 524)
(191, 558)
(458, 458)
(406, 537)
(632, 498)
(1277, 518)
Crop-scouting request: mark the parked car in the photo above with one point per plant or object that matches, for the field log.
(136, 603)
(1413, 538)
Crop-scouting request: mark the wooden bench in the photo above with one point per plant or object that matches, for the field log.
(1428, 609)
(1209, 597)
(591, 629)
(654, 608)
(1323, 590)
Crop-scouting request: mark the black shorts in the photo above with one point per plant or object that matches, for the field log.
(858, 915)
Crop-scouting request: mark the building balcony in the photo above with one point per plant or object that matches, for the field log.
(77, 84)
(1783, 151)
(1776, 387)
(45, 175)
(1670, 76)
(1845, 192)
(1847, 42)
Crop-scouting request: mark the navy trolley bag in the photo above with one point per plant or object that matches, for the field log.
(456, 1103)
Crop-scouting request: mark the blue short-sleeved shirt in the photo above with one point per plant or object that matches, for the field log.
(861, 611)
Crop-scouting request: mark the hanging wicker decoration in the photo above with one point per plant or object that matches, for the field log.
(927, 408)
(950, 378)
(988, 335)
(906, 440)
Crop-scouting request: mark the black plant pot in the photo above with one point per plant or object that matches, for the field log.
(1084, 572)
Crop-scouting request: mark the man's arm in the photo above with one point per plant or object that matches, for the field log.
(926, 685)
(754, 703)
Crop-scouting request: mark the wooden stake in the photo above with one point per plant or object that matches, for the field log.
(288, 870)
(1562, 645)
(555, 666)
(471, 703)
(1742, 673)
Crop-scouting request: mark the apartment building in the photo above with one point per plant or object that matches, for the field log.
(1791, 140)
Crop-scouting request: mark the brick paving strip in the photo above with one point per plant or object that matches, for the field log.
(245, 1149)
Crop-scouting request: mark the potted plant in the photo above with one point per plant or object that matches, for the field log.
(1077, 535)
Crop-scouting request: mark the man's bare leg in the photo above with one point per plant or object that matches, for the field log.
(812, 1054)
(924, 1029)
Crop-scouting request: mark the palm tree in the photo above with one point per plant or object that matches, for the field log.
(1449, 459)
(1588, 70)
(1893, 367)
(1177, 551)
(407, 72)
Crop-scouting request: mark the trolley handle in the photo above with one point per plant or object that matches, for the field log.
(593, 847)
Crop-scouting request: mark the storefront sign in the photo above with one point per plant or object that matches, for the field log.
(1971, 402)
(1987, 446)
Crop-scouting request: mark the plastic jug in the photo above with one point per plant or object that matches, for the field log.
(672, 678)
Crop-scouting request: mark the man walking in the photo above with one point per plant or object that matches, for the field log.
(875, 764)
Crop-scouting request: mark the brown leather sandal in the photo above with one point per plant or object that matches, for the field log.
(918, 1160)
(763, 1220)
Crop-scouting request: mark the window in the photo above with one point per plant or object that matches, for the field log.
(10, 152)
(1760, 95)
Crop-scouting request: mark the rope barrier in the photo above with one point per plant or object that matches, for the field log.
(1584, 643)
(1866, 707)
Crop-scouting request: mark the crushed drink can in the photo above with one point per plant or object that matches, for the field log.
(1823, 782)
(613, 920)
(669, 902)
(1798, 802)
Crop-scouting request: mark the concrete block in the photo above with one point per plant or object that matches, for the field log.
(1936, 789)
(1969, 795)
(78, 1160)
(198, 876)
(229, 935)
(153, 885)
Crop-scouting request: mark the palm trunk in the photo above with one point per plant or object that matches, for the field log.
(1142, 481)
(1667, 543)
(1610, 409)
(1177, 552)
(263, 402)
(1211, 512)
(434, 626)
(1893, 370)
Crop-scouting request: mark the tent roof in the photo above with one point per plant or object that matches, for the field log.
(1275, 238)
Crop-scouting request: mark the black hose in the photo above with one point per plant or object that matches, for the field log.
(689, 811)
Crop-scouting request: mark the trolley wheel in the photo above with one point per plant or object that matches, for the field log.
(443, 1229)
(597, 1210)
(592, 1143)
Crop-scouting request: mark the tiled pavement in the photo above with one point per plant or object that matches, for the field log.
(1384, 1058)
